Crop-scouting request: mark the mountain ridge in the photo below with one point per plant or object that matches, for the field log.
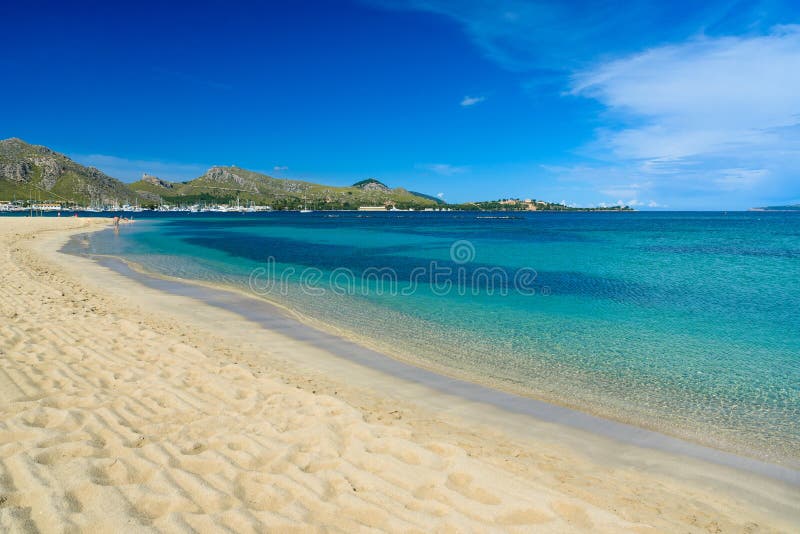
(232, 183)
(37, 173)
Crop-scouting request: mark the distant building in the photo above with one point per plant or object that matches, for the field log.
(372, 208)
(47, 206)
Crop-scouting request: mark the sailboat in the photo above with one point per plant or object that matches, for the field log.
(305, 208)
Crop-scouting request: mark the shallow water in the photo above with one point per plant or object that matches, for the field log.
(679, 322)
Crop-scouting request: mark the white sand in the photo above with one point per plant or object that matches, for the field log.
(123, 409)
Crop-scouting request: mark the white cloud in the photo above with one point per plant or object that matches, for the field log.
(633, 203)
(658, 186)
(132, 169)
(705, 96)
(625, 190)
(553, 35)
(468, 101)
(618, 192)
(738, 179)
(443, 169)
(280, 168)
(710, 120)
(711, 115)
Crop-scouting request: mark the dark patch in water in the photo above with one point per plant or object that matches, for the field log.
(329, 257)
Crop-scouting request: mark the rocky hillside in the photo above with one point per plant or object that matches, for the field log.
(371, 184)
(226, 184)
(38, 173)
(31, 172)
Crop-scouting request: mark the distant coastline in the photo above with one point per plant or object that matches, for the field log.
(794, 207)
(37, 178)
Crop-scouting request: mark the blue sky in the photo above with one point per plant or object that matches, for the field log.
(676, 105)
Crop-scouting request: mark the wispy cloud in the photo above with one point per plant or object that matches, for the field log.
(553, 35)
(280, 168)
(443, 169)
(704, 106)
(468, 101)
(703, 96)
(723, 111)
(606, 183)
(624, 190)
(130, 170)
(740, 179)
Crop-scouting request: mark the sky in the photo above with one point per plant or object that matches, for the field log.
(658, 105)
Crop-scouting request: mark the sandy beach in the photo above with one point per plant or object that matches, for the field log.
(123, 408)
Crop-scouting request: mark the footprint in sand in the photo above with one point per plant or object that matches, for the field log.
(462, 483)
(528, 516)
(64, 452)
(44, 417)
(195, 448)
(117, 472)
(572, 514)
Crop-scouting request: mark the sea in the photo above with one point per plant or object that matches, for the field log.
(683, 323)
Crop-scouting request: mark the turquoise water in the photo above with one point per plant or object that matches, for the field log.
(686, 323)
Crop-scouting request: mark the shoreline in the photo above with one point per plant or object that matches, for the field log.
(492, 390)
(274, 316)
(610, 486)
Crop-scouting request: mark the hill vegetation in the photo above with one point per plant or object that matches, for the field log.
(34, 173)
(231, 184)
(514, 204)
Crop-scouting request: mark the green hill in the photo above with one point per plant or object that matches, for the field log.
(429, 197)
(32, 172)
(515, 204)
(227, 184)
(371, 184)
